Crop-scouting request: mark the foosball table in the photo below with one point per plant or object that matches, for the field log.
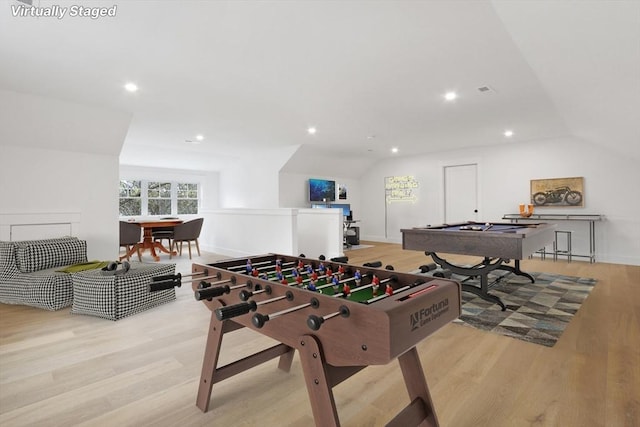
(341, 318)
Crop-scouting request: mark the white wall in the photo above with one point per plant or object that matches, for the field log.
(241, 232)
(504, 174)
(60, 157)
(28, 120)
(320, 232)
(253, 181)
(294, 190)
(38, 181)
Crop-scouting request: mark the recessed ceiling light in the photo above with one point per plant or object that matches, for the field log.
(371, 136)
(450, 96)
(199, 137)
(508, 133)
(394, 150)
(312, 130)
(131, 87)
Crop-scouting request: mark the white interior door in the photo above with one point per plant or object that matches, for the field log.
(460, 193)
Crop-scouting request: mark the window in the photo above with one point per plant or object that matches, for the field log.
(130, 200)
(159, 198)
(187, 199)
(162, 198)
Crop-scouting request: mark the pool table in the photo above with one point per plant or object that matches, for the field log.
(496, 243)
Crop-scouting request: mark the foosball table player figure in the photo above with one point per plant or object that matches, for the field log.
(375, 285)
(337, 331)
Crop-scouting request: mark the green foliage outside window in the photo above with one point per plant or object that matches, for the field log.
(139, 197)
(130, 200)
(187, 199)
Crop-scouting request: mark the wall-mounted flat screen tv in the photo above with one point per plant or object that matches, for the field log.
(322, 190)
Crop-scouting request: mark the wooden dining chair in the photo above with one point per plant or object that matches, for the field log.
(187, 232)
(129, 237)
(161, 233)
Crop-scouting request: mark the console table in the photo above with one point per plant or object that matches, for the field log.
(589, 218)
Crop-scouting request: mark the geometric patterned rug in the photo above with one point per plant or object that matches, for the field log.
(536, 312)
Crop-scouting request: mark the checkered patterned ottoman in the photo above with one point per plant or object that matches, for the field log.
(116, 296)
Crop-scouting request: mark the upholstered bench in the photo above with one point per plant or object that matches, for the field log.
(28, 271)
(114, 296)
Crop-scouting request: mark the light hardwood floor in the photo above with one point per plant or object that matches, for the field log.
(59, 369)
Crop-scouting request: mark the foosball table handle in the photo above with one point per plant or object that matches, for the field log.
(245, 294)
(224, 313)
(259, 320)
(209, 293)
(163, 285)
(314, 322)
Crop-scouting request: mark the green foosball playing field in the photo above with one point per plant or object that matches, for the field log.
(362, 293)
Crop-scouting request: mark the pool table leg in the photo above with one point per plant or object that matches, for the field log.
(516, 270)
(482, 291)
(481, 270)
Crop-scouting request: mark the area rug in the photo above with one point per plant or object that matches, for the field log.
(536, 312)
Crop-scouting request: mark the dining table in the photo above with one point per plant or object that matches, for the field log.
(147, 225)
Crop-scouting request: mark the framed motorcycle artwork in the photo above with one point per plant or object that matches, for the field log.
(558, 192)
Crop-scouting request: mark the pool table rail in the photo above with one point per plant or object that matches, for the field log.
(512, 243)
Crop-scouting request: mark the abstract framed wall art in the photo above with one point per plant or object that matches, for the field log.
(558, 192)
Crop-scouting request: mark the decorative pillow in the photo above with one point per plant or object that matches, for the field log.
(20, 246)
(40, 256)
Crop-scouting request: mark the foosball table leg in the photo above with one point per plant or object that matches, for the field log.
(211, 353)
(212, 373)
(286, 360)
(420, 411)
(319, 386)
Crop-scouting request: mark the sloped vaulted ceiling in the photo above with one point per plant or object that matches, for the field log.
(587, 58)
(369, 75)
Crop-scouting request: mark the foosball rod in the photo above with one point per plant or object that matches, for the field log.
(218, 275)
(281, 265)
(314, 322)
(259, 320)
(345, 281)
(308, 279)
(244, 295)
(395, 291)
(204, 284)
(163, 285)
(211, 292)
(241, 266)
(274, 271)
(370, 285)
(273, 279)
(224, 313)
(177, 276)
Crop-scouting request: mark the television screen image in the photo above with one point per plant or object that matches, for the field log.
(322, 190)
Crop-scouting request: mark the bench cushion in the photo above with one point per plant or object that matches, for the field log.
(41, 255)
(116, 296)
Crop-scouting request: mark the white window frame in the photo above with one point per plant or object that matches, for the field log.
(144, 196)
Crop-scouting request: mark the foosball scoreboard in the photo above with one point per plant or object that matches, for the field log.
(341, 318)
